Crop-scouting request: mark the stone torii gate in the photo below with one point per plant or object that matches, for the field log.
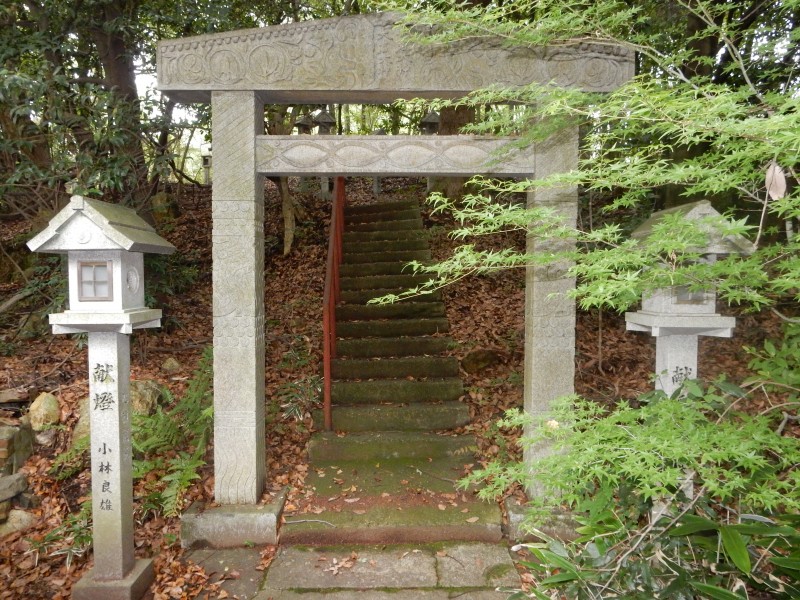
(358, 59)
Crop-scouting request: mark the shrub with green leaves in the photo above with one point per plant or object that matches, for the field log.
(176, 440)
(643, 534)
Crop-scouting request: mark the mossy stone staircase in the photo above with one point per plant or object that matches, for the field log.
(390, 375)
(395, 398)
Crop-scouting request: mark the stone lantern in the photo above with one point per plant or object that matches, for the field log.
(429, 125)
(304, 124)
(325, 122)
(104, 244)
(676, 316)
(206, 158)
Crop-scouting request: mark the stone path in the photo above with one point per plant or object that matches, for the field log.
(468, 571)
(385, 520)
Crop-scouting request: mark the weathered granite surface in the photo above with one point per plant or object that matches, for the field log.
(453, 155)
(237, 206)
(364, 58)
(549, 313)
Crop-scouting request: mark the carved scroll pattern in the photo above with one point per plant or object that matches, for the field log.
(446, 155)
(366, 53)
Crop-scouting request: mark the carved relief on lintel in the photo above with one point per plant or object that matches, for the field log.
(367, 52)
(368, 155)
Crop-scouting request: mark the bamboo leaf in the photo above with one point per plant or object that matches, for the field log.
(735, 548)
(713, 591)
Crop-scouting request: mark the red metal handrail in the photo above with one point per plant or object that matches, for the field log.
(331, 296)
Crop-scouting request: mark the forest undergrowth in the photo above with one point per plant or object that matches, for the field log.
(486, 314)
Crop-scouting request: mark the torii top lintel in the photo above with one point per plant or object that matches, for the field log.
(363, 58)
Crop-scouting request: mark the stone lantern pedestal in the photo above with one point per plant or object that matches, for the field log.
(676, 325)
(676, 316)
(104, 244)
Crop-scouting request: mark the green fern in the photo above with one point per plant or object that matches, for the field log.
(68, 464)
(183, 470)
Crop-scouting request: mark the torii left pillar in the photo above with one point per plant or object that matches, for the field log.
(237, 205)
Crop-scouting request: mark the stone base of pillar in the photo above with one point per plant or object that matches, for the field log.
(131, 587)
(232, 525)
(560, 525)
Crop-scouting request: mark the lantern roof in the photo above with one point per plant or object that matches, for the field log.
(86, 224)
(324, 118)
(709, 220)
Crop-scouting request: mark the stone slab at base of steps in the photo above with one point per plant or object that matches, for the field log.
(383, 216)
(399, 310)
(397, 224)
(396, 327)
(373, 236)
(413, 477)
(370, 282)
(390, 523)
(372, 256)
(385, 246)
(379, 207)
(365, 296)
(397, 267)
(420, 366)
(467, 571)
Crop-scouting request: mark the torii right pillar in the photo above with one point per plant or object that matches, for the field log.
(549, 312)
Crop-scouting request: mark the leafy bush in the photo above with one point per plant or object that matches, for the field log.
(176, 440)
(643, 531)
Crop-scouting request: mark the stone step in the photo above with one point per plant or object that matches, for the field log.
(396, 225)
(365, 524)
(371, 256)
(465, 569)
(378, 391)
(397, 267)
(396, 476)
(385, 234)
(364, 296)
(379, 207)
(393, 368)
(402, 346)
(397, 417)
(402, 310)
(384, 246)
(372, 282)
(391, 328)
(328, 448)
(384, 216)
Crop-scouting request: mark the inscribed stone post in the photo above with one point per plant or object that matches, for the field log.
(112, 488)
(549, 313)
(676, 361)
(238, 305)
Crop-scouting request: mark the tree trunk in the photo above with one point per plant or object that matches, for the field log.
(281, 122)
(451, 120)
(118, 69)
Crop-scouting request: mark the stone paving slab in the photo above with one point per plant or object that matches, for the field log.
(297, 568)
(476, 565)
(269, 594)
(237, 565)
(429, 572)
